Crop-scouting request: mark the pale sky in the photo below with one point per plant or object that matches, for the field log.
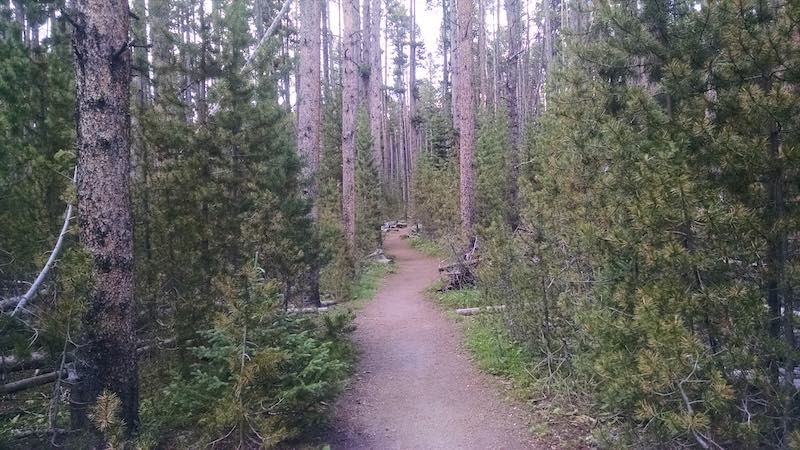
(429, 22)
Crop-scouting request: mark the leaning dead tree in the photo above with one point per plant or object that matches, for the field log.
(19, 303)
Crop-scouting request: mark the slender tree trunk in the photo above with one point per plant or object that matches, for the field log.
(350, 90)
(287, 81)
(496, 55)
(513, 17)
(453, 37)
(326, 44)
(466, 117)
(106, 358)
(375, 85)
(309, 119)
(446, 25)
(413, 132)
(483, 59)
(159, 17)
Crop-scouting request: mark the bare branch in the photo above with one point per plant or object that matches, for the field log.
(284, 9)
(22, 301)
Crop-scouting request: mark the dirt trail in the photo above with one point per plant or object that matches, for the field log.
(415, 387)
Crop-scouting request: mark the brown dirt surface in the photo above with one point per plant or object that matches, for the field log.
(415, 386)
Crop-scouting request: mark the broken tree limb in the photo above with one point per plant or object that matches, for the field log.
(40, 360)
(460, 273)
(468, 263)
(282, 12)
(25, 298)
(24, 434)
(478, 310)
(306, 310)
(27, 383)
(327, 303)
(379, 257)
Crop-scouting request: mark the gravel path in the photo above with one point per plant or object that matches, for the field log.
(415, 387)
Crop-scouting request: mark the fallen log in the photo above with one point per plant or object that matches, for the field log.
(14, 364)
(39, 360)
(24, 434)
(327, 303)
(27, 383)
(307, 310)
(478, 310)
(469, 263)
(379, 256)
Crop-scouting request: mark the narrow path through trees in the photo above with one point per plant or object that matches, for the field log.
(415, 386)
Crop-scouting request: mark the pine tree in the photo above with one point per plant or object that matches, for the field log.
(107, 356)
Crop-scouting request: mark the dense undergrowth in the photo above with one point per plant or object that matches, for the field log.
(650, 255)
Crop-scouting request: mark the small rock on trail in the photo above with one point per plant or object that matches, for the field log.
(415, 387)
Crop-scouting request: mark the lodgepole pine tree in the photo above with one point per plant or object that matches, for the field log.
(350, 89)
(106, 358)
(513, 16)
(309, 117)
(465, 116)
(376, 86)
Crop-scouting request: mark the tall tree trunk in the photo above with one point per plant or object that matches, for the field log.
(453, 37)
(159, 17)
(413, 132)
(286, 79)
(446, 25)
(465, 110)
(106, 358)
(326, 44)
(496, 55)
(309, 118)
(375, 85)
(483, 59)
(513, 17)
(350, 90)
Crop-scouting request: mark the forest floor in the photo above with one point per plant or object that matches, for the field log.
(415, 386)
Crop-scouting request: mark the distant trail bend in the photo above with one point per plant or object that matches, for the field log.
(415, 387)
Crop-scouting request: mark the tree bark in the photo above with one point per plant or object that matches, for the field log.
(350, 89)
(159, 17)
(465, 110)
(309, 119)
(413, 132)
(326, 44)
(446, 25)
(375, 85)
(513, 17)
(483, 59)
(106, 358)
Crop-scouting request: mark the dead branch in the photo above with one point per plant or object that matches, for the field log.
(20, 302)
(32, 382)
(478, 310)
(282, 12)
(307, 310)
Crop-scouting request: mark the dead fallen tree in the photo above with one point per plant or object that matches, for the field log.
(13, 363)
(31, 382)
(479, 310)
(18, 303)
(41, 360)
(462, 272)
(307, 310)
(379, 257)
(25, 434)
